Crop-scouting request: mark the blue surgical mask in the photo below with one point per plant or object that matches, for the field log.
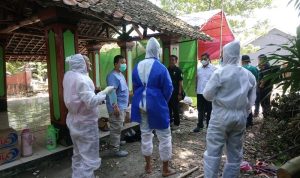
(123, 67)
(204, 62)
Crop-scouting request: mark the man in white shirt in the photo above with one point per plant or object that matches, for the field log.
(203, 106)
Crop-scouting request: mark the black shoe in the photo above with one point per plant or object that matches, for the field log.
(249, 125)
(174, 127)
(197, 129)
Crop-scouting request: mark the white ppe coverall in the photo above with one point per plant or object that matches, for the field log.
(82, 119)
(232, 90)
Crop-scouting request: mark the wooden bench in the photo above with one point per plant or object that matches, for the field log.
(40, 150)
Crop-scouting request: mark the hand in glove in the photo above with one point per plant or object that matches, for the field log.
(108, 90)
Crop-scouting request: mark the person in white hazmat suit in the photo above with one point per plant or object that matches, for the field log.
(82, 119)
(232, 90)
(152, 90)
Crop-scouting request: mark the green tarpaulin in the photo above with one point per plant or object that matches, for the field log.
(187, 62)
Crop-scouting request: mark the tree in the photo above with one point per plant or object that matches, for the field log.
(39, 70)
(296, 5)
(249, 49)
(240, 9)
(14, 67)
(289, 75)
(233, 7)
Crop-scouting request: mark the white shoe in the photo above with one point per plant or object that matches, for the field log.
(122, 142)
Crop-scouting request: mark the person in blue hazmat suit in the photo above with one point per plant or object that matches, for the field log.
(82, 119)
(152, 86)
(232, 90)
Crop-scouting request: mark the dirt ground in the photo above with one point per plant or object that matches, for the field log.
(188, 149)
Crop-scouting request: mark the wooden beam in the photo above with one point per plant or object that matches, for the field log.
(136, 28)
(107, 31)
(115, 29)
(41, 47)
(129, 31)
(137, 38)
(10, 40)
(28, 44)
(7, 8)
(30, 35)
(82, 37)
(145, 31)
(101, 31)
(123, 28)
(13, 27)
(16, 48)
(25, 55)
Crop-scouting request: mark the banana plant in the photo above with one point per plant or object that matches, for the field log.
(296, 5)
(288, 76)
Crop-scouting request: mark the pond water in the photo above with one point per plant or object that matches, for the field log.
(32, 112)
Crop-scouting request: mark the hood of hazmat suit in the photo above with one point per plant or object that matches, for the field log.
(77, 63)
(232, 90)
(152, 49)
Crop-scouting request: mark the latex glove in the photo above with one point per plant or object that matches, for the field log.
(108, 90)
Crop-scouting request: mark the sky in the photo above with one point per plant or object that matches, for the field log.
(283, 17)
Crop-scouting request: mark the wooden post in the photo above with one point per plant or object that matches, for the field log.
(126, 51)
(61, 40)
(94, 56)
(3, 89)
(166, 47)
(3, 93)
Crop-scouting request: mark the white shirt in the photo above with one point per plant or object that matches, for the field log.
(203, 75)
(144, 68)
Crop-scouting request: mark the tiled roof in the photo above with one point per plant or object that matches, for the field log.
(140, 12)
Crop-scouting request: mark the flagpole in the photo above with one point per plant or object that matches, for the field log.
(221, 28)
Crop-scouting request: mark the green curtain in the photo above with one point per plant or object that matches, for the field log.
(107, 64)
(187, 62)
(188, 65)
(107, 58)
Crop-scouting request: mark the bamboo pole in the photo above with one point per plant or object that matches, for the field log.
(200, 176)
(188, 172)
(290, 169)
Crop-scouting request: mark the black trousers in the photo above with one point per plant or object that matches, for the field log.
(174, 110)
(257, 102)
(249, 120)
(265, 97)
(203, 107)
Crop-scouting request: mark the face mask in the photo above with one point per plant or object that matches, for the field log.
(204, 62)
(221, 62)
(123, 67)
